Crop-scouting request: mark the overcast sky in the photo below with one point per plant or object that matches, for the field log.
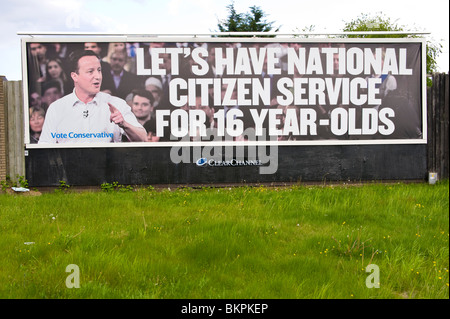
(201, 16)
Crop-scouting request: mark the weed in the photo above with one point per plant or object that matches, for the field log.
(352, 245)
(20, 181)
(115, 186)
(63, 187)
(4, 185)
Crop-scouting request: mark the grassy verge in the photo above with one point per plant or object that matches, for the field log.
(245, 242)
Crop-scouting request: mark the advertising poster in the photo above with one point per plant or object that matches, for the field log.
(85, 92)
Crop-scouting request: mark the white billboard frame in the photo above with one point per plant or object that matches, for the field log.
(204, 38)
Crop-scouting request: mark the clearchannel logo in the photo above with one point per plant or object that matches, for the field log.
(233, 162)
(201, 161)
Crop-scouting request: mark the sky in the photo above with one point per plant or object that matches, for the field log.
(202, 16)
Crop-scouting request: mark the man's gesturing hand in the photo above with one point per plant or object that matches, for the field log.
(115, 116)
(134, 133)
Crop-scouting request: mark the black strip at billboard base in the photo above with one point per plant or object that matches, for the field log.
(190, 165)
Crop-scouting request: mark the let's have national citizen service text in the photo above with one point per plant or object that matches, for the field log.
(319, 81)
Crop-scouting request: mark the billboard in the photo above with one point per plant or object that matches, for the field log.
(147, 92)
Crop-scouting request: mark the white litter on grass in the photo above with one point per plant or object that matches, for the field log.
(20, 189)
(29, 243)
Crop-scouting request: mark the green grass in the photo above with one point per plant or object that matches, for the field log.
(245, 242)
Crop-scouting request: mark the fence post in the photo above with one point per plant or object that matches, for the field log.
(3, 120)
(12, 152)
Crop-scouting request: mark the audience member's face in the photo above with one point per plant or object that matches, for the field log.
(35, 100)
(119, 46)
(117, 62)
(36, 121)
(141, 107)
(336, 63)
(38, 50)
(54, 69)
(93, 47)
(51, 95)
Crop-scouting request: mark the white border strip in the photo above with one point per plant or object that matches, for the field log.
(217, 34)
(227, 143)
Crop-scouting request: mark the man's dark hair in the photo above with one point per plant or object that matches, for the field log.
(144, 93)
(51, 84)
(75, 56)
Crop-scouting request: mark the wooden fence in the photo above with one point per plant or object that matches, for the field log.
(12, 155)
(2, 131)
(438, 129)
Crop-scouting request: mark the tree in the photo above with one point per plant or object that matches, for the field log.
(366, 23)
(253, 21)
(234, 21)
(382, 23)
